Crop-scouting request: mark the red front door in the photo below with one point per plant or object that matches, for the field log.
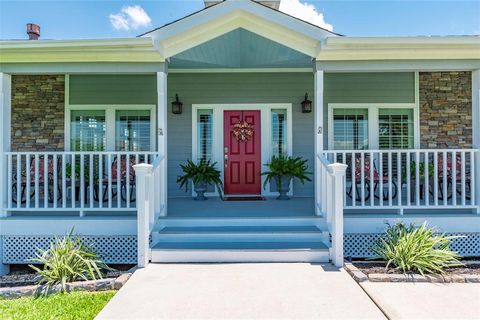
(242, 152)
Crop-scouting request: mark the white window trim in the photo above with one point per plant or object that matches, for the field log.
(373, 127)
(110, 119)
(266, 138)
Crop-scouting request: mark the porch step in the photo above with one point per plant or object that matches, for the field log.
(241, 221)
(238, 233)
(228, 251)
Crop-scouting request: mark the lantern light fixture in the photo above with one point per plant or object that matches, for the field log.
(177, 106)
(306, 105)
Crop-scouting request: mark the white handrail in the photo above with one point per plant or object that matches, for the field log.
(72, 181)
(330, 201)
(409, 178)
(151, 203)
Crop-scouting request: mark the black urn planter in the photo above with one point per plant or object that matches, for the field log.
(200, 188)
(283, 186)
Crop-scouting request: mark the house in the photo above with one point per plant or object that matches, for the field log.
(94, 132)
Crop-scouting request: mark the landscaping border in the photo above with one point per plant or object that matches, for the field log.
(360, 276)
(91, 285)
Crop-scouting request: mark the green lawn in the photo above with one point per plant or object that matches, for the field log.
(76, 305)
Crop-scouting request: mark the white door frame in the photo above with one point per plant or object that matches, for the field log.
(266, 132)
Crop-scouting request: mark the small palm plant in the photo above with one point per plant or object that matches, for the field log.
(202, 174)
(416, 249)
(282, 169)
(68, 260)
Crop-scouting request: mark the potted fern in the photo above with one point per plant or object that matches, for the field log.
(282, 169)
(202, 174)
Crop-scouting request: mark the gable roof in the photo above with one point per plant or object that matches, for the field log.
(226, 16)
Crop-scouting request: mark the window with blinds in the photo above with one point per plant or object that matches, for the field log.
(132, 130)
(279, 132)
(88, 130)
(204, 134)
(395, 128)
(350, 129)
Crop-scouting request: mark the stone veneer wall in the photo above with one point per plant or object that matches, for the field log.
(445, 109)
(38, 112)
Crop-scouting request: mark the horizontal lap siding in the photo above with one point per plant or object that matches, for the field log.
(388, 87)
(113, 89)
(237, 88)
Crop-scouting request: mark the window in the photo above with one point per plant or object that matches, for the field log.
(204, 134)
(132, 130)
(395, 128)
(350, 129)
(88, 129)
(279, 131)
(111, 128)
(376, 126)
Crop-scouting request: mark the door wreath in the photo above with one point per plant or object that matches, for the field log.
(242, 131)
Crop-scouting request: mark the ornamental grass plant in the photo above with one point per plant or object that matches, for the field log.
(67, 260)
(416, 249)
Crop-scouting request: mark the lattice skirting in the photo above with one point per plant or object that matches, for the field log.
(357, 245)
(111, 249)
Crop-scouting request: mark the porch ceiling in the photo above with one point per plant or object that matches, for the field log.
(240, 49)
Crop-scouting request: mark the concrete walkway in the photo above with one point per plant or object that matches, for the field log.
(240, 291)
(425, 301)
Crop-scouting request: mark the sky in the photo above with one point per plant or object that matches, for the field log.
(90, 19)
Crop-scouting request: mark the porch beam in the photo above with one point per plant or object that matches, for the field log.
(162, 114)
(476, 132)
(318, 113)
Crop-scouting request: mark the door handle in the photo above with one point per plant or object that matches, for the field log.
(225, 156)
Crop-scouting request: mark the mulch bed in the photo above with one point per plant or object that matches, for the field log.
(23, 275)
(378, 267)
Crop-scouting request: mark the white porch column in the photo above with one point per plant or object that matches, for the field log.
(5, 125)
(318, 113)
(162, 114)
(5, 119)
(476, 132)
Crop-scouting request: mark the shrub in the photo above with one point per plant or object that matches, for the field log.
(416, 249)
(68, 260)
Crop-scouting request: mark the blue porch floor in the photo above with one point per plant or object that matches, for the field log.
(215, 208)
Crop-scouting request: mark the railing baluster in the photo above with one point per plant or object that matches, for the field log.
(28, 180)
(454, 178)
(372, 177)
(354, 180)
(390, 180)
(64, 181)
(417, 178)
(119, 179)
(91, 173)
(473, 199)
(362, 178)
(380, 178)
(45, 180)
(55, 182)
(426, 179)
(100, 194)
(399, 178)
(109, 173)
(127, 179)
(462, 175)
(445, 178)
(37, 183)
(435, 178)
(408, 172)
(19, 180)
(10, 181)
(82, 181)
(72, 180)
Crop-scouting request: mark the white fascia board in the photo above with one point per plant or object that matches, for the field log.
(67, 44)
(230, 15)
(399, 48)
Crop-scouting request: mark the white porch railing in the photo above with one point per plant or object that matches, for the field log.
(329, 204)
(72, 181)
(151, 203)
(409, 179)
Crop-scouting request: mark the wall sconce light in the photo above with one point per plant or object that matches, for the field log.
(306, 105)
(177, 106)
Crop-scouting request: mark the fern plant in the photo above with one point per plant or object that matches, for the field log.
(281, 167)
(416, 249)
(203, 172)
(67, 260)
